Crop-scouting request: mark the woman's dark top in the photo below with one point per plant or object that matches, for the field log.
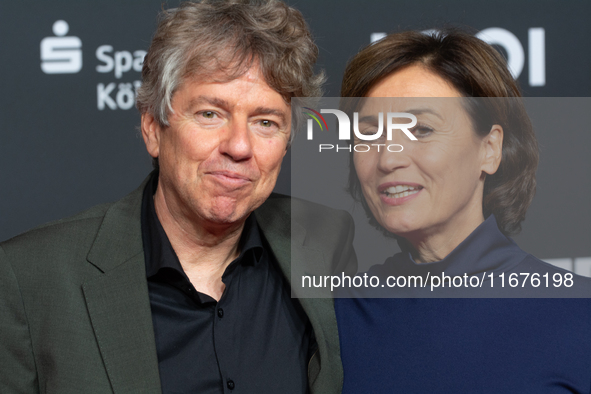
(468, 345)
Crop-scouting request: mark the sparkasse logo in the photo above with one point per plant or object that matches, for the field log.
(61, 54)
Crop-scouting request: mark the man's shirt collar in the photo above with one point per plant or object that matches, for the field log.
(158, 249)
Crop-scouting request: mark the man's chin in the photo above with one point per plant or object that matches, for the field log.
(226, 210)
(227, 214)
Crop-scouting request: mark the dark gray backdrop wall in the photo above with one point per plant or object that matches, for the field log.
(68, 129)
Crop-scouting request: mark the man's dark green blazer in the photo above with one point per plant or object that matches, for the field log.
(74, 308)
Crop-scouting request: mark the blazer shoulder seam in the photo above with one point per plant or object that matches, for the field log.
(96, 211)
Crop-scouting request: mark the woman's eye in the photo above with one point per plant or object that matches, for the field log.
(369, 131)
(421, 130)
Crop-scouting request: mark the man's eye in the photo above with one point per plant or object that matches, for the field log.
(208, 114)
(266, 123)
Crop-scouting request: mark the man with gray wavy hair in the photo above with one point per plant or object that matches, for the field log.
(183, 285)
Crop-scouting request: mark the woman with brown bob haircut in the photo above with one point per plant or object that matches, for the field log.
(450, 198)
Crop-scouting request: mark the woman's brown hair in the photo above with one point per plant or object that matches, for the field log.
(476, 70)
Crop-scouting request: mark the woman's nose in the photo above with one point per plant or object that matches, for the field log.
(395, 153)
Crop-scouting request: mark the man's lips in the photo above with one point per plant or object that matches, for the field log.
(230, 177)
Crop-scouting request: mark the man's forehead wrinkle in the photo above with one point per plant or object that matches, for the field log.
(226, 105)
(213, 75)
(221, 72)
(252, 76)
(202, 99)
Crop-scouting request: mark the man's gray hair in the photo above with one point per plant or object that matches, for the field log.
(219, 41)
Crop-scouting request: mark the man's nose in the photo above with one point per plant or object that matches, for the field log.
(237, 142)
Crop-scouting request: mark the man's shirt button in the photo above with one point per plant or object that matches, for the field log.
(220, 315)
(230, 384)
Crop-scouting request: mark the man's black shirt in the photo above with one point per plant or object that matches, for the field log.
(255, 339)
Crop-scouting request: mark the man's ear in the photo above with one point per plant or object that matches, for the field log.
(151, 133)
(493, 150)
